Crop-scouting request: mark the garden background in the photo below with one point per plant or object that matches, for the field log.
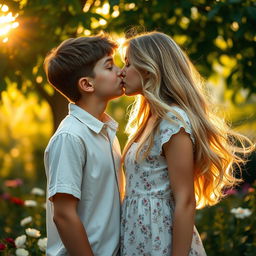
(218, 35)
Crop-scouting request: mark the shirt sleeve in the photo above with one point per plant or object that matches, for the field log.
(65, 160)
(167, 128)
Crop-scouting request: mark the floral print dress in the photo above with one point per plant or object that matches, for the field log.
(148, 206)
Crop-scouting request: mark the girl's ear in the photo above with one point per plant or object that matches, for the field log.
(146, 75)
(84, 85)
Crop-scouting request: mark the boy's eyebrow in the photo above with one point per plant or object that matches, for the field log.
(109, 59)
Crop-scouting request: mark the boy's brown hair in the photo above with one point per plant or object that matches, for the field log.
(75, 58)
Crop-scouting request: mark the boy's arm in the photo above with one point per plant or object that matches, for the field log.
(69, 225)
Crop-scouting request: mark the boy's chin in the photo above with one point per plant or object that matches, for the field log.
(117, 95)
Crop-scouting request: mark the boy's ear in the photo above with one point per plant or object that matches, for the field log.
(85, 85)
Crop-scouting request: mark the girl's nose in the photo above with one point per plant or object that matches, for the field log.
(122, 73)
(119, 72)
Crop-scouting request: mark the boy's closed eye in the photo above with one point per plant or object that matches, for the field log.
(110, 67)
(127, 64)
(109, 64)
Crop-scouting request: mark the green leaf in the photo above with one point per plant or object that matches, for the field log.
(214, 11)
(234, 1)
(251, 12)
(113, 3)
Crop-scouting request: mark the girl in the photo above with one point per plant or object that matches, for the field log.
(179, 156)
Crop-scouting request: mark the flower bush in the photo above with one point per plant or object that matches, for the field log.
(229, 228)
(22, 220)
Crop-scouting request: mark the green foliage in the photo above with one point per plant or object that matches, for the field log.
(25, 126)
(206, 29)
(221, 32)
(43, 25)
(16, 204)
(225, 229)
(223, 232)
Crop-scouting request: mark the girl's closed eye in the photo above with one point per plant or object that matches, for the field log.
(126, 62)
(110, 67)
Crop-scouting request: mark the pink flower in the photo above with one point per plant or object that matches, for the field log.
(245, 188)
(231, 191)
(2, 247)
(13, 183)
(5, 196)
(10, 241)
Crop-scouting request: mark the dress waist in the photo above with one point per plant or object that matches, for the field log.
(157, 195)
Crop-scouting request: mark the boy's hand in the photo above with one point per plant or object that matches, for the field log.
(69, 225)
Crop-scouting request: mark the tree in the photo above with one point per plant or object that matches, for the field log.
(207, 30)
(211, 31)
(43, 25)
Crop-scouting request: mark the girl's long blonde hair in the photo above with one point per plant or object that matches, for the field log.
(168, 77)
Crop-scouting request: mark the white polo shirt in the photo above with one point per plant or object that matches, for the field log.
(83, 159)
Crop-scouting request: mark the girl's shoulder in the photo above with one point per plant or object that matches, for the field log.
(177, 116)
(174, 121)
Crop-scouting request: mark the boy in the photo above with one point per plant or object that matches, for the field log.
(82, 159)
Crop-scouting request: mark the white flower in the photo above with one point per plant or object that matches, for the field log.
(25, 221)
(33, 232)
(30, 203)
(241, 213)
(20, 241)
(37, 191)
(22, 252)
(42, 243)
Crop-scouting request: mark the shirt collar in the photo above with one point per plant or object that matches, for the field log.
(89, 120)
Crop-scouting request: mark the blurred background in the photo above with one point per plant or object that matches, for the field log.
(218, 35)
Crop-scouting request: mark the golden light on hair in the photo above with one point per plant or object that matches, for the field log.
(216, 155)
(120, 40)
(121, 48)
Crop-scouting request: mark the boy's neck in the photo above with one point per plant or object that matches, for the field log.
(93, 106)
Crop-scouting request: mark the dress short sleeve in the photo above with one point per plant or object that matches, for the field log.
(167, 129)
(65, 159)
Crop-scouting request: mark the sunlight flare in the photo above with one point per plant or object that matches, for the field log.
(121, 48)
(7, 22)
